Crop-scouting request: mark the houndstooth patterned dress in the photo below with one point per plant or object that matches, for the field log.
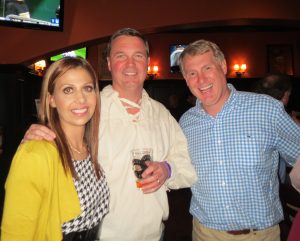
(93, 195)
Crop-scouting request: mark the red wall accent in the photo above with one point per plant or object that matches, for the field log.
(242, 47)
(93, 20)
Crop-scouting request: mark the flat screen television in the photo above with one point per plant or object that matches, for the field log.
(175, 51)
(80, 52)
(33, 14)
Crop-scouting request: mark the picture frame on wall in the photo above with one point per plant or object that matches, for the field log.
(280, 59)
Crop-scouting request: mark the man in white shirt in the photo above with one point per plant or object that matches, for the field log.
(131, 119)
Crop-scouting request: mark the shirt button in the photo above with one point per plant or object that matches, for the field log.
(223, 183)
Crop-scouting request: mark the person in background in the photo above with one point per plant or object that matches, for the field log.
(190, 100)
(130, 119)
(294, 234)
(174, 106)
(278, 86)
(16, 7)
(234, 140)
(296, 116)
(56, 190)
(295, 176)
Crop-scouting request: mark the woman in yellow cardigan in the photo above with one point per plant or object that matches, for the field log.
(57, 190)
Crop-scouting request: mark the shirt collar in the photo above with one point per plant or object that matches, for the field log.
(108, 90)
(113, 95)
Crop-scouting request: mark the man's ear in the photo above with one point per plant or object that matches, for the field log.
(224, 66)
(108, 63)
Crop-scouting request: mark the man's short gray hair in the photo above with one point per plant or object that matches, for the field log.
(200, 47)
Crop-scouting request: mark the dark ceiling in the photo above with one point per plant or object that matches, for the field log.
(240, 25)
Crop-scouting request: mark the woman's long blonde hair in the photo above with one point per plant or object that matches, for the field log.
(49, 116)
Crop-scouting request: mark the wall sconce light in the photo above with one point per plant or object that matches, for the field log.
(152, 72)
(240, 70)
(39, 67)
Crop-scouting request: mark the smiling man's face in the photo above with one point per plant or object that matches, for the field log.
(128, 63)
(206, 78)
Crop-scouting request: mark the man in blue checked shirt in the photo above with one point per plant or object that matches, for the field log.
(234, 139)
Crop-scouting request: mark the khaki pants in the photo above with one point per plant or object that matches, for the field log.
(202, 233)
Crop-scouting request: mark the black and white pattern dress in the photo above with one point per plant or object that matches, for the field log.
(93, 195)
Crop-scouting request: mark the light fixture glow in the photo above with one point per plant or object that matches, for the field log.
(239, 69)
(152, 72)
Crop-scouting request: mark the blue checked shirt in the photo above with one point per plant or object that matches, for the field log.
(235, 155)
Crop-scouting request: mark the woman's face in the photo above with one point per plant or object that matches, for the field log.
(74, 97)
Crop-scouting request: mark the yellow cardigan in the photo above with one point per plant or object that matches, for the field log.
(39, 196)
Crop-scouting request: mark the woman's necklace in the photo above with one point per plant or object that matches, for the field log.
(76, 150)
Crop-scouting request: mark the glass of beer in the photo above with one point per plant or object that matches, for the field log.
(139, 158)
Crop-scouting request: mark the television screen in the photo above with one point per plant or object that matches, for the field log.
(73, 53)
(34, 14)
(175, 51)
